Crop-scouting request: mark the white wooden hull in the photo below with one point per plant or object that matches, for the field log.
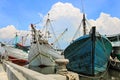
(43, 54)
(16, 53)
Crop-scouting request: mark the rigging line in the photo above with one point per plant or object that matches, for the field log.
(88, 24)
(83, 20)
(54, 34)
(82, 6)
(45, 27)
(76, 32)
(83, 11)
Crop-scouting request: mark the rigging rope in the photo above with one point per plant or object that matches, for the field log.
(54, 34)
(76, 32)
(82, 6)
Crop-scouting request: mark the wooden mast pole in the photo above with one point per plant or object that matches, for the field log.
(84, 25)
(93, 37)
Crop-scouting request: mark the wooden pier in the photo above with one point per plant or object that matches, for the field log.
(11, 71)
(3, 74)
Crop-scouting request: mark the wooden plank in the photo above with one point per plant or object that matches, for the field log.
(3, 74)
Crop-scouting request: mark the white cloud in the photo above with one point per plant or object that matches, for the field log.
(8, 33)
(108, 25)
(66, 15)
(64, 10)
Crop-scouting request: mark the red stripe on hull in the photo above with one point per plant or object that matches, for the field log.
(20, 62)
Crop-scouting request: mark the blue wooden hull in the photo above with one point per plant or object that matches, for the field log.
(81, 59)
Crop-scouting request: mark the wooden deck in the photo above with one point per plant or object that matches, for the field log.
(3, 74)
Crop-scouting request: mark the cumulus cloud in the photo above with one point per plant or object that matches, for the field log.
(8, 33)
(68, 15)
(64, 10)
(108, 25)
(65, 15)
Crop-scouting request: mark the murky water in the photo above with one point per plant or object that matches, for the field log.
(109, 75)
(114, 75)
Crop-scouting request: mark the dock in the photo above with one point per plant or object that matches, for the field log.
(11, 71)
(3, 74)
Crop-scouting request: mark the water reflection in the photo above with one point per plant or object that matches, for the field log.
(114, 74)
(44, 70)
(110, 75)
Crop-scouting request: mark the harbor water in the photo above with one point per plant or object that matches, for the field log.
(108, 75)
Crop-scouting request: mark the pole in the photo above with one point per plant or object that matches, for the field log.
(93, 37)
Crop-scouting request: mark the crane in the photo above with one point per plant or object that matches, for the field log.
(60, 36)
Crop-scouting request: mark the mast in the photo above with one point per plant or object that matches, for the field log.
(46, 27)
(93, 38)
(16, 39)
(47, 31)
(84, 24)
(33, 34)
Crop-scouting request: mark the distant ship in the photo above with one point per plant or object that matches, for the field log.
(115, 56)
(89, 54)
(16, 53)
(115, 40)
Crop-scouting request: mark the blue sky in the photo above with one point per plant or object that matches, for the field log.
(19, 14)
